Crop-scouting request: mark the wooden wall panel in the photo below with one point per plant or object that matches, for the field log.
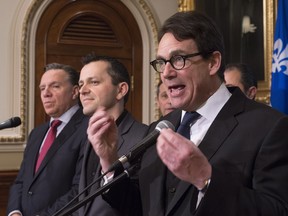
(6, 179)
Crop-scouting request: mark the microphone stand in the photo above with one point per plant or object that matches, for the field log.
(79, 194)
(125, 174)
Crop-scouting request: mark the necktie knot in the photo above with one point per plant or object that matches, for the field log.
(188, 119)
(55, 123)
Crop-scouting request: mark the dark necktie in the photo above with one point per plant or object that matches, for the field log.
(183, 129)
(188, 119)
(48, 142)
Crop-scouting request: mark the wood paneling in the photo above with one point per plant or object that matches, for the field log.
(6, 180)
(69, 30)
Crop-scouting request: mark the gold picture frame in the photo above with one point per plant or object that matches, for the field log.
(269, 8)
(269, 11)
(186, 5)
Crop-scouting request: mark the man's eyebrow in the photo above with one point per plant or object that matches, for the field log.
(52, 83)
(173, 53)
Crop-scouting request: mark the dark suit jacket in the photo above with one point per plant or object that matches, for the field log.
(247, 146)
(130, 132)
(57, 179)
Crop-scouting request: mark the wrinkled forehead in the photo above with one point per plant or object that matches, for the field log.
(54, 76)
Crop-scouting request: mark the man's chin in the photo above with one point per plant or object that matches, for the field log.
(87, 111)
(49, 112)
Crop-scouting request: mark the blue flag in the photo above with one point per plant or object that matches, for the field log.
(279, 82)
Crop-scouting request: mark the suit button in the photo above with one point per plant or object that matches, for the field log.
(30, 193)
(93, 173)
(172, 190)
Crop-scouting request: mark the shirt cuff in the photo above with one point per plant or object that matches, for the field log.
(202, 192)
(15, 212)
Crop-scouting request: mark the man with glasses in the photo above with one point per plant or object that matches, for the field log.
(232, 155)
(177, 61)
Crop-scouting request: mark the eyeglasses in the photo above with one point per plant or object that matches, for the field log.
(177, 62)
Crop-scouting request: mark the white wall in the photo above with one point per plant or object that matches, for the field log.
(9, 77)
(11, 19)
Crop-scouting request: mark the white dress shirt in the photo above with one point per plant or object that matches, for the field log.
(208, 112)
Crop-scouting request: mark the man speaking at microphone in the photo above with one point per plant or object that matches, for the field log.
(229, 155)
(104, 88)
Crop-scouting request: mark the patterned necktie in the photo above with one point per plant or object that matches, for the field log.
(48, 142)
(188, 119)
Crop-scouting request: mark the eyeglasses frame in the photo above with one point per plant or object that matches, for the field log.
(184, 57)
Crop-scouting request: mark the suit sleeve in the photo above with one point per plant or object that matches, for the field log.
(265, 193)
(15, 194)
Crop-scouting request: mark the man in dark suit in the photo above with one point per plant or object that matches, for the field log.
(241, 75)
(104, 85)
(231, 157)
(55, 182)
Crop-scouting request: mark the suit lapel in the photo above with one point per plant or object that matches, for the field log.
(65, 134)
(224, 122)
(123, 129)
(34, 146)
(83, 180)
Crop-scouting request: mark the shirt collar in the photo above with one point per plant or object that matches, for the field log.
(65, 118)
(214, 104)
(121, 117)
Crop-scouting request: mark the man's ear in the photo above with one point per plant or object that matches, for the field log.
(75, 92)
(122, 90)
(251, 93)
(215, 62)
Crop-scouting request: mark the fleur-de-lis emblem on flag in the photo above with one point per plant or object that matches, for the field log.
(280, 57)
(279, 81)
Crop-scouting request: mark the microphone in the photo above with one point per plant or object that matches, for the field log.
(12, 122)
(144, 144)
(133, 154)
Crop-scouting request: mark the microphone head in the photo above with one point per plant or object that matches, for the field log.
(15, 121)
(164, 124)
